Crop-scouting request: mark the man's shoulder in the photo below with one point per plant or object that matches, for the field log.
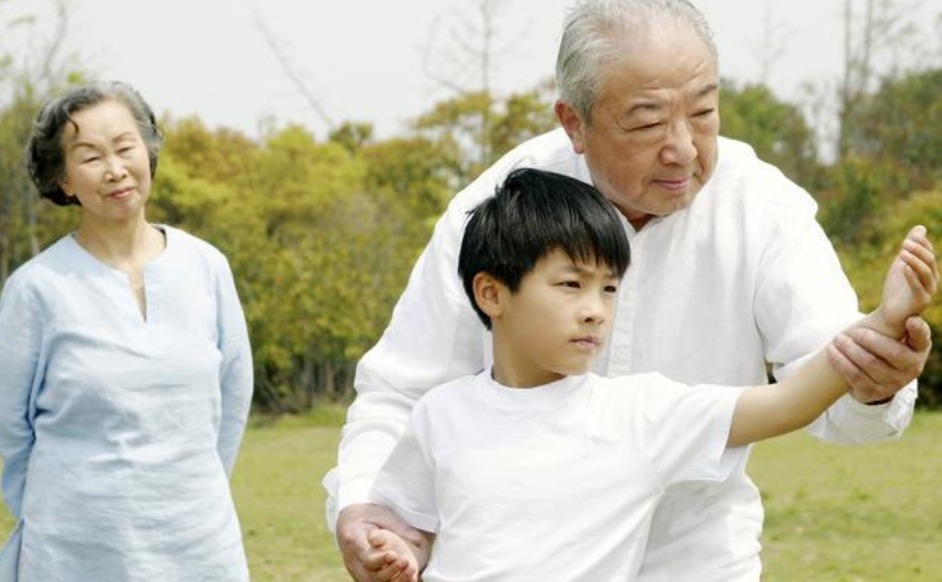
(551, 151)
(742, 177)
(448, 392)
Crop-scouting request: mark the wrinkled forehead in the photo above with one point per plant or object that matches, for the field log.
(639, 41)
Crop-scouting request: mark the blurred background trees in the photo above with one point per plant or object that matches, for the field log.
(322, 232)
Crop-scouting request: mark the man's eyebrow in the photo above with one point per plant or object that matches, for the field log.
(653, 105)
(707, 89)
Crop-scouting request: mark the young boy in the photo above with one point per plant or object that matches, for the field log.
(538, 470)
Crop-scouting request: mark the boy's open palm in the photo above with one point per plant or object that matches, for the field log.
(912, 280)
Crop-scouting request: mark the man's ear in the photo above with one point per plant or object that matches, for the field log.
(573, 123)
(489, 294)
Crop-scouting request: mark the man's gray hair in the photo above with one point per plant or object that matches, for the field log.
(594, 31)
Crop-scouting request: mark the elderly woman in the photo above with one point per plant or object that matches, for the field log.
(125, 369)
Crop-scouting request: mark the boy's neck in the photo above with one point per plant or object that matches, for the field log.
(512, 377)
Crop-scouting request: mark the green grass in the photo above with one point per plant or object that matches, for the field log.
(853, 513)
(832, 513)
(278, 492)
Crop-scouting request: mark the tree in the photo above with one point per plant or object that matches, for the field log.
(27, 77)
(776, 130)
(875, 44)
(464, 66)
(454, 126)
(902, 121)
(320, 236)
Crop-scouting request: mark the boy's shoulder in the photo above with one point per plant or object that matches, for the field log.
(650, 390)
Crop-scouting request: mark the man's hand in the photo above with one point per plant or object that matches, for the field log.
(876, 366)
(354, 525)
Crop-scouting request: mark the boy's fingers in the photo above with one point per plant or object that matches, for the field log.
(919, 275)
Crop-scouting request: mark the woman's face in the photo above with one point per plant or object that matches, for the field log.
(106, 164)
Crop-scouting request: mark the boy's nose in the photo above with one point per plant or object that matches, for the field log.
(593, 311)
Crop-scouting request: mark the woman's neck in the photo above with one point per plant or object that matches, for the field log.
(125, 247)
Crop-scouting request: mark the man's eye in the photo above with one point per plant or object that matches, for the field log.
(647, 126)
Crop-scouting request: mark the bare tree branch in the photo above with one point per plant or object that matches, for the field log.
(292, 74)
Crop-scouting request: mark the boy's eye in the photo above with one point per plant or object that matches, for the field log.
(573, 284)
(611, 288)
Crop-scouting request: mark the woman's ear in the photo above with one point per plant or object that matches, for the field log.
(64, 186)
(489, 294)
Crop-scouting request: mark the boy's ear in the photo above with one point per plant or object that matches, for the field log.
(488, 294)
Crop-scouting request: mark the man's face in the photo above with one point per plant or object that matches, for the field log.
(650, 144)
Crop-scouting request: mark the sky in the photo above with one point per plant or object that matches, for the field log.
(362, 60)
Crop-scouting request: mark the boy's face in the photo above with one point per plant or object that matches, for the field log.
(556, 323)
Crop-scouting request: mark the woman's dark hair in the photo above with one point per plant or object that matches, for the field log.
(533, 213)
(45, 153)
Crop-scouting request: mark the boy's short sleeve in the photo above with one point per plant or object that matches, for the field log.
(406, 481)
(685, 430)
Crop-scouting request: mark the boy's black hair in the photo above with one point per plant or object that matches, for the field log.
(533, 213)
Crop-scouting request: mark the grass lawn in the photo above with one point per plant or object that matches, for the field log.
(853, 513)
(832, 513)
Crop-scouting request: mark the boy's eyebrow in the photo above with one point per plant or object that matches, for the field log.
(581, 269)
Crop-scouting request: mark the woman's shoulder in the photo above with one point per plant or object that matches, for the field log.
(183, 243)
(45, 272)
(61, 253)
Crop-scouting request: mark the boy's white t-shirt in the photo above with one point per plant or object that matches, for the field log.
(552, 483)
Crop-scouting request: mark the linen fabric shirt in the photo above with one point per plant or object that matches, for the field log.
(557, 482)
(742, 276)
(118, 431)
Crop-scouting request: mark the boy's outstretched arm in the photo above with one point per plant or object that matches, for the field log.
(767, 411)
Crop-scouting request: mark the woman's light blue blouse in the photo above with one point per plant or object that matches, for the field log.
(118, 431)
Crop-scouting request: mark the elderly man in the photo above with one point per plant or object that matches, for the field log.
(730, 271)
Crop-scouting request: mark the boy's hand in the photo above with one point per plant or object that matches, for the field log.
(394, 558)
(354, 525)
(911, 282)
